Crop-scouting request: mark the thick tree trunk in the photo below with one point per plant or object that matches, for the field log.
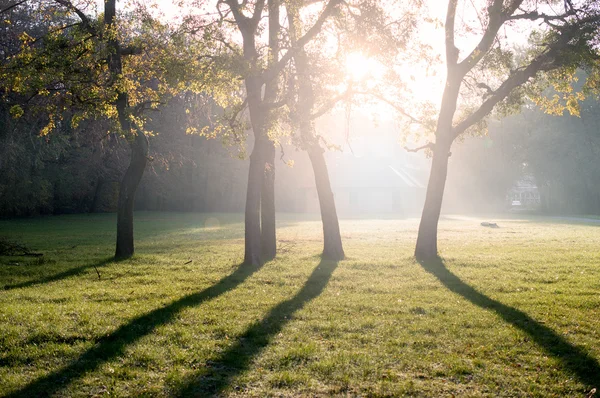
(139, 147)
(127, 189)
(332, 240)
(267, 205)
(252, 252)
(426, 248)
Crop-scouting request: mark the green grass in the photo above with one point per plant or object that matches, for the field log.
(513, 311)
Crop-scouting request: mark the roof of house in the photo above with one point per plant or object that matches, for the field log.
(350, 171)
(525, 182)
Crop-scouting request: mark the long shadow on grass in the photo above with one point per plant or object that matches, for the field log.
(221, 371)
(114, 345)
(572, 358)
(61, 275)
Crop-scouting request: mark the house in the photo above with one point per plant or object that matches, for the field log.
(524, 194)
(369, 185)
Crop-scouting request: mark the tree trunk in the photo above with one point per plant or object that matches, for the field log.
(332, 240)
(127, 189)
(252, 255)
(426, 248)
(96, 199)
(267, 204)
(139, 146)
(267, 200)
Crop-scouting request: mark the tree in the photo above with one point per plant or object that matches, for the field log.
(264, 70)
(360, 28)
(108, 69)
(303, 118)
(560, 152)
(568, 40)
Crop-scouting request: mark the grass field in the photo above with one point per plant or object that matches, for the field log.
(512, 311)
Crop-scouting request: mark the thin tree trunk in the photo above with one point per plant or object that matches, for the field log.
(96, 199)
(332, 240)
(267, 204)
(426, 248)
(252, 255)
(127, 189)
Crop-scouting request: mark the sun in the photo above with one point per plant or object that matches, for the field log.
(360, 67)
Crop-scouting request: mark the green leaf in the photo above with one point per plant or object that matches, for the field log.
(16, 111)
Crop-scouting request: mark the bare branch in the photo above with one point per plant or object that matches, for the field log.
(84, 18)
(282, 152)
(274, 70)
(10, 7)
(497, 17)
(534, 15)
(429, 145)
(330, 104)
(399, 109)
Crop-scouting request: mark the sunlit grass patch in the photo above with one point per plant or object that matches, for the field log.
(511, 311)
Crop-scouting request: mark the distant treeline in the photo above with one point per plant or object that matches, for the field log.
(560, 152)
(78, 170)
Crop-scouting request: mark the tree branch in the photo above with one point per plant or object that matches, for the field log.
(497, 17)
(258, 9)
(516, 79)
(274, 70)
(10, 7)
(451, 50)
(429, 145)
(534, 15)
(235, 10)
(330, 104)
(558, 54)
(142, 106)
(277, 104)
(84, 18)
(398, 108)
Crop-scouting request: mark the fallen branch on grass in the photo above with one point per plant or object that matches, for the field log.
(12, 248)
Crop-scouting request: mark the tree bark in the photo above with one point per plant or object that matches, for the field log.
(332, 240)
(426, 248)
(267, 204)
(252, 234)
(127, 189)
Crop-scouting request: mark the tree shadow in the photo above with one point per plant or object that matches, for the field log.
(220, 372)
(114, 344)
(585, 367)
(61, 275)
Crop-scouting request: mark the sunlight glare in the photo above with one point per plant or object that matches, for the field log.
(359, 67)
